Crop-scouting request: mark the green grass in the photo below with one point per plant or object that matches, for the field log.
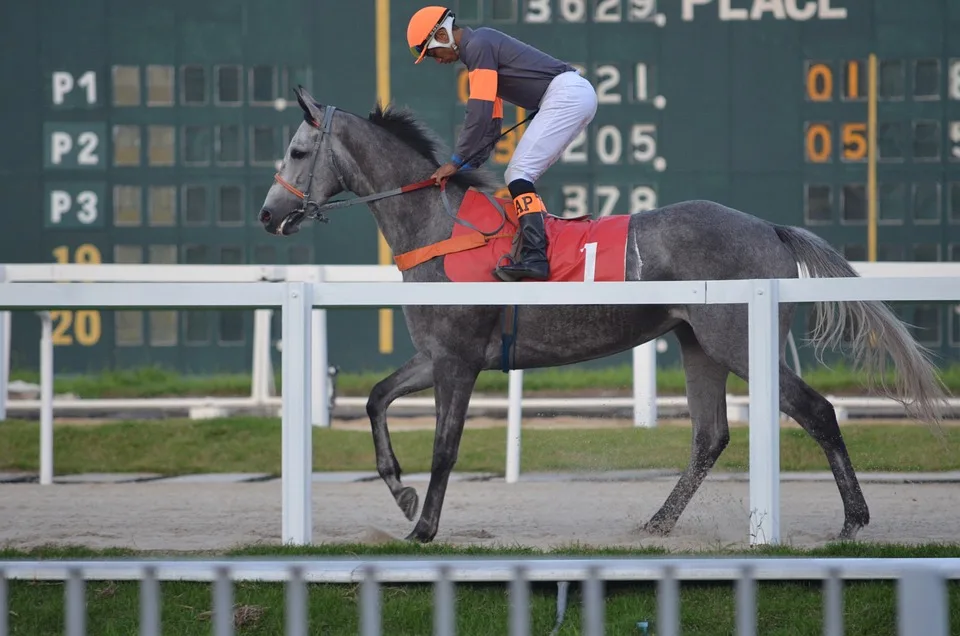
(247, 444)
(793, 608)
(158, 382)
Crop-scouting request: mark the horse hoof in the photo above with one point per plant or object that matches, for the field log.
(418, 536)
(409, 502)
(849, 532)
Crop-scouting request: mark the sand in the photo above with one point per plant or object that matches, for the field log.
(546, 514)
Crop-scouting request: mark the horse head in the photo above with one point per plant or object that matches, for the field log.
(308, 174)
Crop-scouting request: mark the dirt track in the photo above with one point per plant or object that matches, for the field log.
(174, 517)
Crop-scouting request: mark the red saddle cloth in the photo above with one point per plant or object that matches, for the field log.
(472, 257)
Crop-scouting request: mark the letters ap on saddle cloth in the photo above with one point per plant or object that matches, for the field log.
(501, 68)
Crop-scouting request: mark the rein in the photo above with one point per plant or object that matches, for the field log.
(310, 209)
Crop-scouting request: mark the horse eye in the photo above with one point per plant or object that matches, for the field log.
(297, 154)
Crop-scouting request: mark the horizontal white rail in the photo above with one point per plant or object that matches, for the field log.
(922, 599)
(645, 403)
(401, 569)
(297, 300)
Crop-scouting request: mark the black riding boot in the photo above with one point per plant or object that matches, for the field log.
(533, 251)
(533, 237)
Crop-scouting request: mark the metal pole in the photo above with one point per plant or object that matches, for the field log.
(370, 611)
(150, 603)
(296, 606)
(922, 604)
(223, 603)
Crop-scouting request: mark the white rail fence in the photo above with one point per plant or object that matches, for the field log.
(297, 300)
(921, 586)
(644, 402)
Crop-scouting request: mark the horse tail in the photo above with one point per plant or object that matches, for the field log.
(872, 329)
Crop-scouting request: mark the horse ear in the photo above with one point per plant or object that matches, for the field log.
(308, 103)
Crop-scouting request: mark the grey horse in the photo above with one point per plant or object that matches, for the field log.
(335, 151)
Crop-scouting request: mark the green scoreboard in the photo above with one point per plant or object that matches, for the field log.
(147, 131)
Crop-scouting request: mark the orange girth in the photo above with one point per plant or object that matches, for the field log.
(469, 240)
(451, 245)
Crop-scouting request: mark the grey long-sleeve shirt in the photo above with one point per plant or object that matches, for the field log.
(499, 68)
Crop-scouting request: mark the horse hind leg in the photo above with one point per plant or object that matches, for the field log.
(817, 417)
(723, 334)
(415, 375)
(706, 397)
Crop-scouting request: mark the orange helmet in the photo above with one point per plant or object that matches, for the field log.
(423, 26)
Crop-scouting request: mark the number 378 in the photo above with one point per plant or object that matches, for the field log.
(606, 200)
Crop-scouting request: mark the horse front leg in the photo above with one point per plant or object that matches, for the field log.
(453, 381)
(415, 375)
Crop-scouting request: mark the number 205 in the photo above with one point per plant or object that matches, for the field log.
(609, 145)
(606, 199)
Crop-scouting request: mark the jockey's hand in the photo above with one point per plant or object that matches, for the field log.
(444, 172)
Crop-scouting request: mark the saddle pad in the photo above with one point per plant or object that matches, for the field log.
(567, 241)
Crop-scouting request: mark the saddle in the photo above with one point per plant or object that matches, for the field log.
(486, 232)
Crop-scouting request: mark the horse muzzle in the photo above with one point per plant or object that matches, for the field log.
(290, 224)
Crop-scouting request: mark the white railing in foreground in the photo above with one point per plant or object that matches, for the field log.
(643, 401)
(298, 299)
(921, 590)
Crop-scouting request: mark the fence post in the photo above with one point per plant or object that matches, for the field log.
(46, 398)
(321, 379)
(645, 385)
(260, 381)
(514, 417)
(764, 380)
(297, 452)
(5, 324)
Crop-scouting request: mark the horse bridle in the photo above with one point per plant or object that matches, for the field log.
(310, 209)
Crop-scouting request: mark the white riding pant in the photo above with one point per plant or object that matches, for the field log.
(567, 107)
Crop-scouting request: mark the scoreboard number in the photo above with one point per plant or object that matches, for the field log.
(819, 142)
(954, 79)
(84, 326)
(955, 140)
(821, 84)
(605, 199)
(603, 11)
(609, 146)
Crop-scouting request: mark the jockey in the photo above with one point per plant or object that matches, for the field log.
(503, 68)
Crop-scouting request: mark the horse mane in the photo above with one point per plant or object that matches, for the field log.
(403, 124)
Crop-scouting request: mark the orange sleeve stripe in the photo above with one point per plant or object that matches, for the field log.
(483, 84)
(497, 108)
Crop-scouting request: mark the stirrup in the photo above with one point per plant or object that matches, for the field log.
(529, 274)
